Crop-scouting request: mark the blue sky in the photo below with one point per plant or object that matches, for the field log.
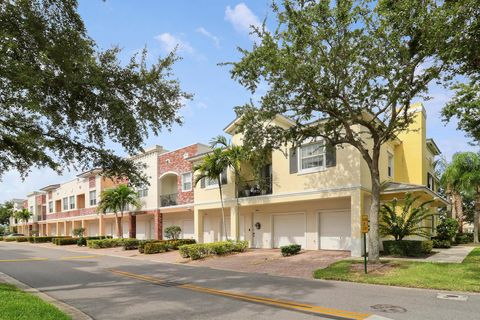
(207, 32)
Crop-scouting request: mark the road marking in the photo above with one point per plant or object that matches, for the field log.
(290, 305)
(22, 260)
(77, 257)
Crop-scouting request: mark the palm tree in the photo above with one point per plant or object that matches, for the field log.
(212, 167)
(405, 219)
(451, 183)
(117, 200)
(234, 155)
(24, 215)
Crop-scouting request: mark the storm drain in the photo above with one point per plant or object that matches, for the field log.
(451, 296)
(388, 308)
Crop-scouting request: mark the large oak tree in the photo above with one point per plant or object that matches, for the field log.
(347, 71)
(62, 99)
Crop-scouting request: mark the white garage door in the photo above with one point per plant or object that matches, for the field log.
(289, 229)
(187, 229)
(335, 231)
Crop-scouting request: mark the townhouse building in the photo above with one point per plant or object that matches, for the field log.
(314, 195)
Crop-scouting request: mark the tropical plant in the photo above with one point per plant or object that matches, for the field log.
(173, 232)
(117, 200)
(212, 166)
(78, 232)
(6, 211)
(400, 219)
(23, 215)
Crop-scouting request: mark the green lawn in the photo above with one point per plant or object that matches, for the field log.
(446, 276)
(16, 304)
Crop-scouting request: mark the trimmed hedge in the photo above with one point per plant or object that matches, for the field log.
(198, 251)
(155, 247)
(462, 238)
(130, 244)
(290, 250)
(407, 248)
(106, 243)
(9, 239)
(64, 241)
(21, 239)
(171, 244)
(441, 243)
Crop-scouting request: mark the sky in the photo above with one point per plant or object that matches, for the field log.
(206, 33)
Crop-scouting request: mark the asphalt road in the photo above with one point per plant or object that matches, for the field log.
(120, 288)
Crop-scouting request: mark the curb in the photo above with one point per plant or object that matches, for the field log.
(71, 311)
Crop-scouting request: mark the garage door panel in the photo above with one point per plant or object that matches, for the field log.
(335, 230)
(289, 229)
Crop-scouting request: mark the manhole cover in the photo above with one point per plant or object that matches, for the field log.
(388, 308)
(451, 296)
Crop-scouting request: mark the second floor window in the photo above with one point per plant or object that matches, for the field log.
(93, 197)
(187, 181)
(72, 202)
(65, 203)
(430, 182)
(142, 193)
(50, 207)
(312, 156)
(390, 165)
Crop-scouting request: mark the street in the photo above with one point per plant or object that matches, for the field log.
(107, 287)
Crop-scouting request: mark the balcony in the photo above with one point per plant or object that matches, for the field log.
(254, 188)
(167, 200)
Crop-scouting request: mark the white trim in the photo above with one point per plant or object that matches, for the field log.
(167, 173)
(323, 154)
(191, 181)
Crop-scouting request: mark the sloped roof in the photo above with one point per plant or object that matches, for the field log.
(394, 187)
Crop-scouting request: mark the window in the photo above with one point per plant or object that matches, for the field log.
(187, 181)
(211, 182)
(31, 209)
(390, 165)
(65, 203)
(50, 206)
(142, 193)
(430, 182)
(72, 202)
(92, 196)
(312, 156)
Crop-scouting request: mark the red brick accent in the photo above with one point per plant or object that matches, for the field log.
(25, 204)
(50, 194)
(40, 199)
(158, 225)
(72, 213)
(132, 231)
(175, 162)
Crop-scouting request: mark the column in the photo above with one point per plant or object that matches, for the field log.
(132, 230)
(198, 225)
(57, 231)
(84, 226)
(158, 225)
(235, 223)
(356, 205)
(65, 231)
(47, 226)
(101, 225)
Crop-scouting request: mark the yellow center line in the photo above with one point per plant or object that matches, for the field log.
(25, 259)
(290, 305)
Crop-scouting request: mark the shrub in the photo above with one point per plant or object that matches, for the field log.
(81, 242)
(21, 239)
(130, 244)
(175, 244)
(447, 229)
(407, 248)
(290, 250)
(441, 243)
(155, 247)
(64, 241)
(198, 251)
(9, 239)
(78, 232)
(173, 232)
(462, 238)
(142, 243)
(105, 243)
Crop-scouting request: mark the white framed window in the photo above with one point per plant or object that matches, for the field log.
(142, 193)
(72, 202)
(50, 207)
(65, 203)
(312, 157)
(92, 196)
(211, 183)
(390, 165)
(187, 181)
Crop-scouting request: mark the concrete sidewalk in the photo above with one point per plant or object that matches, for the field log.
(453, 255)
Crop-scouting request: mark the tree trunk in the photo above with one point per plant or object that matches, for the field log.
(118, 222)
(373, 236)
(476, 215)
(458, 205)
(223, 209)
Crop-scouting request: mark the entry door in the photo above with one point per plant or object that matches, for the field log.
(257, 233)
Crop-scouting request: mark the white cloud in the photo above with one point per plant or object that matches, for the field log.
(169, 42)
(209, 35)
(242, 18)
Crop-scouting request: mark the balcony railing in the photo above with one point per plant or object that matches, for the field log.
(167, 200)
(254, 188)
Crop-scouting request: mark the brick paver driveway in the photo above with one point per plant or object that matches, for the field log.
(271, 262)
